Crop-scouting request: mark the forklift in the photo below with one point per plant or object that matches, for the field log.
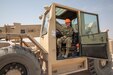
(89, 50)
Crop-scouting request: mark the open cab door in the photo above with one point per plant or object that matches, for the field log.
(93, 42)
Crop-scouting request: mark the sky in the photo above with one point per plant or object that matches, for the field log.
(28, 11)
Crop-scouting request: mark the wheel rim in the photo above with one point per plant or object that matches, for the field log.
(13, 69)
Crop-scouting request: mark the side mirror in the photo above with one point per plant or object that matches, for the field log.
(40, 17)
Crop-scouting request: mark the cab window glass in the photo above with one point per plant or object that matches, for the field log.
(75, 25)
(89, 24)
(45, 24)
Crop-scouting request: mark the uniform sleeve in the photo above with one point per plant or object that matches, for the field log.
(71, 32)
(62, 30)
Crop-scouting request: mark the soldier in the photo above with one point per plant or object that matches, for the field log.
(67, 32)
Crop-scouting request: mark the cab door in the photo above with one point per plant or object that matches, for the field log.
(93, 42)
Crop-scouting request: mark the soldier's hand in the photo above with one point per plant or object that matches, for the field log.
(64, 37)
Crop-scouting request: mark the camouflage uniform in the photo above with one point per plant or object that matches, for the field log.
(67, 38)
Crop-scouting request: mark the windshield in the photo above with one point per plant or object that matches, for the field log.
(45, 23)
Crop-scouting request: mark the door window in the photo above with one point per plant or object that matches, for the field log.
(89, 24)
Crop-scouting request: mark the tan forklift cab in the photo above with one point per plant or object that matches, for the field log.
(92, 42)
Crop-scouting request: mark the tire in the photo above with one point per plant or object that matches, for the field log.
(96, 68)
(18, 58)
